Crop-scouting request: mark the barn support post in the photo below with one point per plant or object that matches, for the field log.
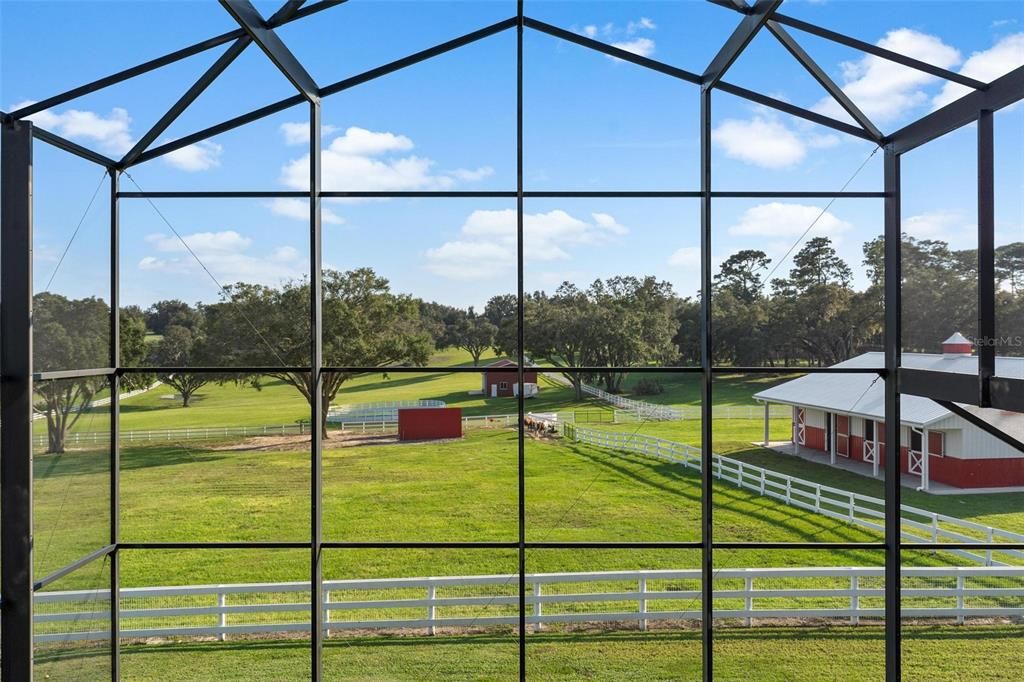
(925, 456)
(878, 454)
(16, 402)
(832, 439)
(766, 415)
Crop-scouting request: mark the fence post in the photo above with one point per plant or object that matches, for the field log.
(327, 611)
(935, 527)
(642, 588)
(854, 599)
(537, 609)
(223, 618)
(762, 481)
(739, 475)
(960, 599)
(789, 490)
(748, 600)
(988, 552)
(817, 497)
(853, 504)
(431, 609)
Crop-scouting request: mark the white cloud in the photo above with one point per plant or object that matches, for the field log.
(777, 219)
(623, 37)
(112, 133)
(476, 175)
(884, 90)
(362, 159)
(762, 141)
(298, 132)
(641, 24)
(685, 257)
(932, 225)
(298, 209)
(486, 245)
(639, 46)
(985, 66)
(200, 156)
(363, 142)
(224, 254)
(200, 242)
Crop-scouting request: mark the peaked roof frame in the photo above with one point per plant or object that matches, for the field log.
(986, 389)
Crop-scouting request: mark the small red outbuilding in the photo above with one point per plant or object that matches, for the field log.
(429, 423)
(500, 380)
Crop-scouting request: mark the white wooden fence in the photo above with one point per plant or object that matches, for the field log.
(918, 525)
(848, 594)
(644, 410)
(379, 411)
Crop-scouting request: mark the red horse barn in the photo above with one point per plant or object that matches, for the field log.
(841, 416)
(504, 383)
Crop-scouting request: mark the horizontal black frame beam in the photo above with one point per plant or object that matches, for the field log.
(74, 566)
(1006, 393)
(468, 369)
(1000, 93)
(529, 544)
(951, 386)
(504, 194)
(74, 373)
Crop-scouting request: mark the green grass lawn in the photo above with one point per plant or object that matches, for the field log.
(467, 490)
(930, 653)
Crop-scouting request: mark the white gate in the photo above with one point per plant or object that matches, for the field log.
(870, 451)
(801, 429)
(915, 458)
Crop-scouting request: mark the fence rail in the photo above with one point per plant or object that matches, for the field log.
(644, 410)
(918, 525)
(848, 594)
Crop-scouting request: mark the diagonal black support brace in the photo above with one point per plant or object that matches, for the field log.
(738, 41)
(823, 78)
(259, 30)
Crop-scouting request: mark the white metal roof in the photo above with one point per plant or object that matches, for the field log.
(864, 394)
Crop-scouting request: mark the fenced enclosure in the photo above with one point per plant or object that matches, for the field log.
(917, 525)
(635, 599)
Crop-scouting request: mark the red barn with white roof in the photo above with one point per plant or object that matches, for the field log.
(842, 415)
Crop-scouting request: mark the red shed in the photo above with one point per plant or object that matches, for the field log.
(504, 383)
(429, 423)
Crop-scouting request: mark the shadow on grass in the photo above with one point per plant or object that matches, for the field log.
(761, 508)
(80, 463)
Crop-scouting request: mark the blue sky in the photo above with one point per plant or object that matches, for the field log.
(591, 122)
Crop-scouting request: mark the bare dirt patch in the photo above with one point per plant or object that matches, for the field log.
(301, 442)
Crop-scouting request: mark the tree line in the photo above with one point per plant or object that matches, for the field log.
(810, 316)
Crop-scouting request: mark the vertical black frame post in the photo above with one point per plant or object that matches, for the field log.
(115, 427)
(893, 348)
(16, 402)
(520, 340)
(707, 559)
(986, 257)
(316, 438)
